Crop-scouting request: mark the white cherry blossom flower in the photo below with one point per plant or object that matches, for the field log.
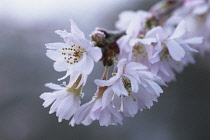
(76, 56)
(134, 30)
(171, 52)
(65, 102)
(196, 14)
(93, 110)
(130, 87)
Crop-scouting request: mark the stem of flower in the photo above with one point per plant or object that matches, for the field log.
(101, 90)
(105, 74)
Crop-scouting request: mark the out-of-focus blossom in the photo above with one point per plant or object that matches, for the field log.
(196, 14)
(93, 110)
(171, 52)
(135, 29)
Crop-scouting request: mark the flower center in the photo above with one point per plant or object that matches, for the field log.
(73, 54)
(164, 54)
(127, 83)
(139, 51)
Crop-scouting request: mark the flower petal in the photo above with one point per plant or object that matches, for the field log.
(75, 30)
(175, 50)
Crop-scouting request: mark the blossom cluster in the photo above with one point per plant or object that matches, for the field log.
(145, 52)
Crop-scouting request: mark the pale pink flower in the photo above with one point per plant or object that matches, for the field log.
(128, 85)
(64, 102)
(196, 14)
(93, 110)
(171, 52)
(135, 29)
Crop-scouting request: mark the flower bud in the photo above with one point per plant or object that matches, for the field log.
(98, 38)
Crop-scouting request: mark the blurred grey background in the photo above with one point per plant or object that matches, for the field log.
(182, 112)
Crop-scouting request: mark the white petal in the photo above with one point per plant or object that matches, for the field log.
(63, 34)
(56, 46)
(134, 66)
(194, 40)
(54, 55)
(157, 30)
(119, 88)
(75, 30)
(107, 97)
(65, 106)
(88, 66)
(121, 65)
(130, 107)
(199, 10)
(54, 86)
(60, 66)
(155, 87)
(179, 31)
(83, 112)
(67, 74)
(105, 117)
(48, 97)
(95, 53)
(109, 82)
(175, 50)
(118, 117)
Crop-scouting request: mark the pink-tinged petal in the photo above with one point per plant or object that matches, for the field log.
(130, 107)
(87, 121)
(175, 50)
(164, 70)
(157, 30)
(134, 66)
(121, 65)
(180, 30)
(96, 109)
(146, 41)
(95, 53)
(117, 102)
(117, 116)
(119, 88)
(54, 86)
(199, 10)
(83, 113)
(107, 97)
(97, 104)
(155, 87)
(191, 49)
(105, 117)
(123, 44)
(75, 30)
(194, 40)
(109, 82)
